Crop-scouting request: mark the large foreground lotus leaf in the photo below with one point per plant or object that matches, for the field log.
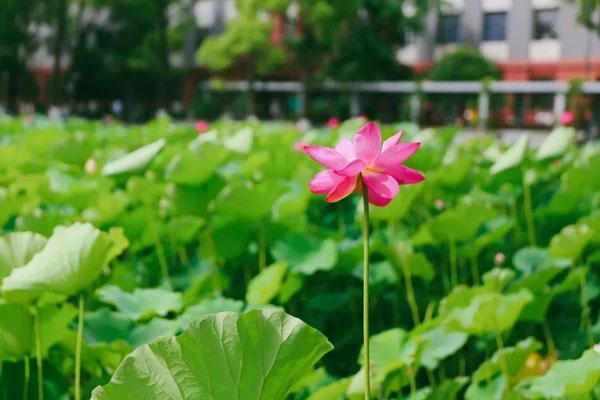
(488, 312)
(224, 356)
(567, 379)
(134, 161)
(141, 303)
(71, 260)
(17, 249)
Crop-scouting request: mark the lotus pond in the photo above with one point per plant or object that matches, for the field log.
(152, 262)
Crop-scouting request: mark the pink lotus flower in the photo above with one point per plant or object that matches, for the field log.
(201, 126)
(333, 123)
(365, 157)
(567, 118)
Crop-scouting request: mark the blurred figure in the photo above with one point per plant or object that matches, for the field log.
(588, 126)
(117, 108)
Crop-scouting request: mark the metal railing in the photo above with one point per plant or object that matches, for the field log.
(558, 89)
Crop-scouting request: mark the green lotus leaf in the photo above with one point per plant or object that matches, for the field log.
(305, 254)
(513, 357)
(221, 356)
(72, 259)
(17, 249)
(194, 167)
(448, 390)
(513, 157)
(266, 285)
(142, 303)
(488, 313)
(208, 306)
(439, 344)
(556, 144)
(135, 161)
(570, 242)
(567, 379)
(16, 333)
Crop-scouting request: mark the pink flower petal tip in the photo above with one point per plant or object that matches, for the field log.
(363, 159)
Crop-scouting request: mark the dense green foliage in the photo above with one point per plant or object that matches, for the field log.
(463, 64)
(484, 278)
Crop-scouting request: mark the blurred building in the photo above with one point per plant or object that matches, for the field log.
(528, 39)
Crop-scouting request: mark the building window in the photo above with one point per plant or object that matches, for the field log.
(494, 26)
(544, 24)
(447, 29)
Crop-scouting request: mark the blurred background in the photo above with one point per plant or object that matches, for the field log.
(318, 59)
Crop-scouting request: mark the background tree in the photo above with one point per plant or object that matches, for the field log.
(16, 43)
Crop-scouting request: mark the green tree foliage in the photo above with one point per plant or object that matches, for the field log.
(340, 39)
(463, 64)
(589, 13)
(246, 42)
(356, 39)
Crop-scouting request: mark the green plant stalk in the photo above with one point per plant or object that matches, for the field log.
(475, 269)
(38, 355)
(586, 322)
(410, 292)
(528, 210)
(500, 347)
(262, 248)
(162, 260)
(27, 377)
(515, 211)
(366, 354)
(548, 335)
(214, 265)
(78, 346)
(453, 264)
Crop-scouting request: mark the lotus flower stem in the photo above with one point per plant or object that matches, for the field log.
(38, 354)
(528, 210)
(586, 322)
(27, 368)
(366, 355)
(78, 349)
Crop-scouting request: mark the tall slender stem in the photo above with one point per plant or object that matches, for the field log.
(217, 286)
(410, 291)
(367, 358)
(475, 269)
(38, 355)
(162, 260)
(27, 377)
(453, 264)
(528, 210)
(78, 346)
(262, 248)
(500, 346)
(548, 334)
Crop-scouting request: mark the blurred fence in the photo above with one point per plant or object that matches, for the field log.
(416, 91)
